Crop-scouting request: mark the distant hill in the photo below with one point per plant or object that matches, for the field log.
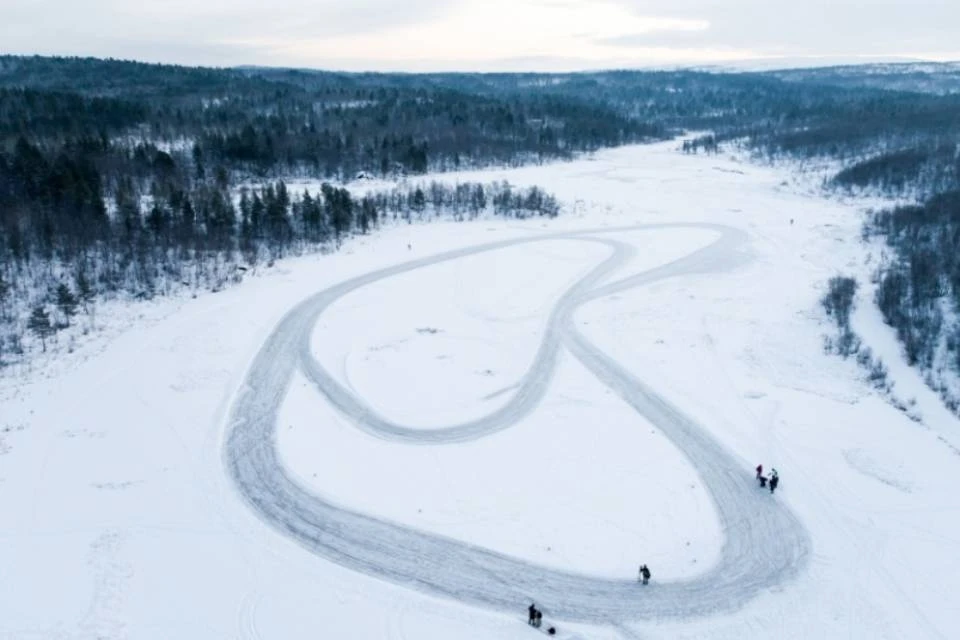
(926, 77)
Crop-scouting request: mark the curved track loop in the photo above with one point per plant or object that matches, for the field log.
(764, 543)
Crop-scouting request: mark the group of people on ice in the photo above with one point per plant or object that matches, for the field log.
(773, 480)
(536, 619)
(643, 576)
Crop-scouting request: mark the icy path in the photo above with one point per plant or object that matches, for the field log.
(764, 543)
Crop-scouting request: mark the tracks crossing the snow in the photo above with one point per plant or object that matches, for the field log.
(764, 545)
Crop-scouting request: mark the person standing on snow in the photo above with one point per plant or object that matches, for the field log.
(759, 471)
(532, 609)
(774, 481)
(644, 574)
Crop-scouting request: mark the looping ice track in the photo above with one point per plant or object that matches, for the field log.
(764, 543)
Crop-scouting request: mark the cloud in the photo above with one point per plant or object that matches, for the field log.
(475, 34)
(811, 27)
(196, 31)
(652, 58)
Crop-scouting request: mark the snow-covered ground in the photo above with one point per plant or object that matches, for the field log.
(120, 521)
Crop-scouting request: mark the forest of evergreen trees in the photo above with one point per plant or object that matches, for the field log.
(919, 286)
(902, 143)
(119, 178)
(126, 177)
(61, 263)
(906, 145)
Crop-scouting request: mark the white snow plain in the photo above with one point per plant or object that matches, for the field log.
(119, 520)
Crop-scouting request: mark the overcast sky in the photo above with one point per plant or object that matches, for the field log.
(428, 35)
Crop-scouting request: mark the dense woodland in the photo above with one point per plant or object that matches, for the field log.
(121, 178)
(918, 287)
(904, 144)
(170, 240)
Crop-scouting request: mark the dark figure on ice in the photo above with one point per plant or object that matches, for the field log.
(644, 574)
(774, 481)
(763, 481)
(759, 471)
(538, 618)
(532, 609)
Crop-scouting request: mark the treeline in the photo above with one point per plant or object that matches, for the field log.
(84, 250)
(124, 177)
(916, 171)
(54, 114)
(275, 122)
(297, 123)
(121, 179)
(919, 289)
(891, 143)
(901, 144)
(708, 144)
(920, 77)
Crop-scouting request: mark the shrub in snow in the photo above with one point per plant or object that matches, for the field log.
(39, 324)
(847, 343)
(838, 301)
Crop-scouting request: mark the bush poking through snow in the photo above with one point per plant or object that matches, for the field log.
(39, 324)
(66, 302)
(838, 301)
(877, 374)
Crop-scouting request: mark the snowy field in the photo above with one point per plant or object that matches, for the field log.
(536, 418)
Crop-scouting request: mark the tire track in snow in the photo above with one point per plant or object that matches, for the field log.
(764, 543)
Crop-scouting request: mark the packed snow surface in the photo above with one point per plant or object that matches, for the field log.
(421, 434)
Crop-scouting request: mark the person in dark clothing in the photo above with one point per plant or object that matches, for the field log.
(763, 481)
(532, 609)
(759, 471)
(538, 619)
(644, 574)
(774, 481)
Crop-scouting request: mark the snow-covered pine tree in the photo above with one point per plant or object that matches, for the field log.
(39, 323)
(66, 302)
